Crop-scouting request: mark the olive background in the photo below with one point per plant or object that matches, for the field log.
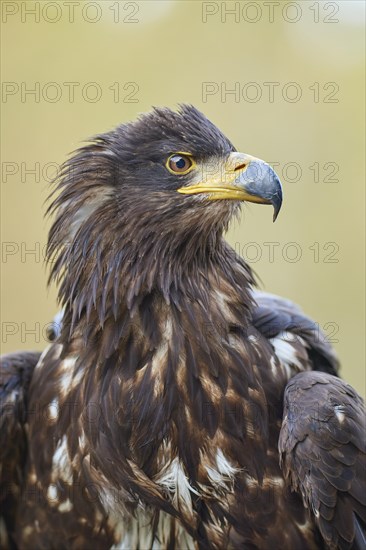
(296, 77)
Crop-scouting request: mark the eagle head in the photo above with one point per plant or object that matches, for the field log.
(152, 194)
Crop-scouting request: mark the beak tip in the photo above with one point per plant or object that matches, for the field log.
(275, 214)
(277, 200)
(276, 211)
(262, 182)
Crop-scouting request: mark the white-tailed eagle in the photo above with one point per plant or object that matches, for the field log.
(177, 407)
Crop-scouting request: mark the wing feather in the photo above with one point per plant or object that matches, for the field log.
(274, 316)
(15, 374)
(322, 452)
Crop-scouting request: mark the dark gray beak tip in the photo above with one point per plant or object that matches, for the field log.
(277, 203)
(261, 181)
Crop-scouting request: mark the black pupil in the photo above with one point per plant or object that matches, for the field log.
(180, 163)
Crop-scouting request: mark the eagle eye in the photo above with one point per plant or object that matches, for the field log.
(180, 163)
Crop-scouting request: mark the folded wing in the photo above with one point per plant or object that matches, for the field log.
(322, 448)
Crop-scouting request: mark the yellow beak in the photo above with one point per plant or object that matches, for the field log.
(241, 178)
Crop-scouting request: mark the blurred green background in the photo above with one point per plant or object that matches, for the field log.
(296, 77)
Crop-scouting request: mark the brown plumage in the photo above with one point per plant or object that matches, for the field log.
(153, 419)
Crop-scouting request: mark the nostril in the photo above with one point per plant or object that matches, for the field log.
(241, 166)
